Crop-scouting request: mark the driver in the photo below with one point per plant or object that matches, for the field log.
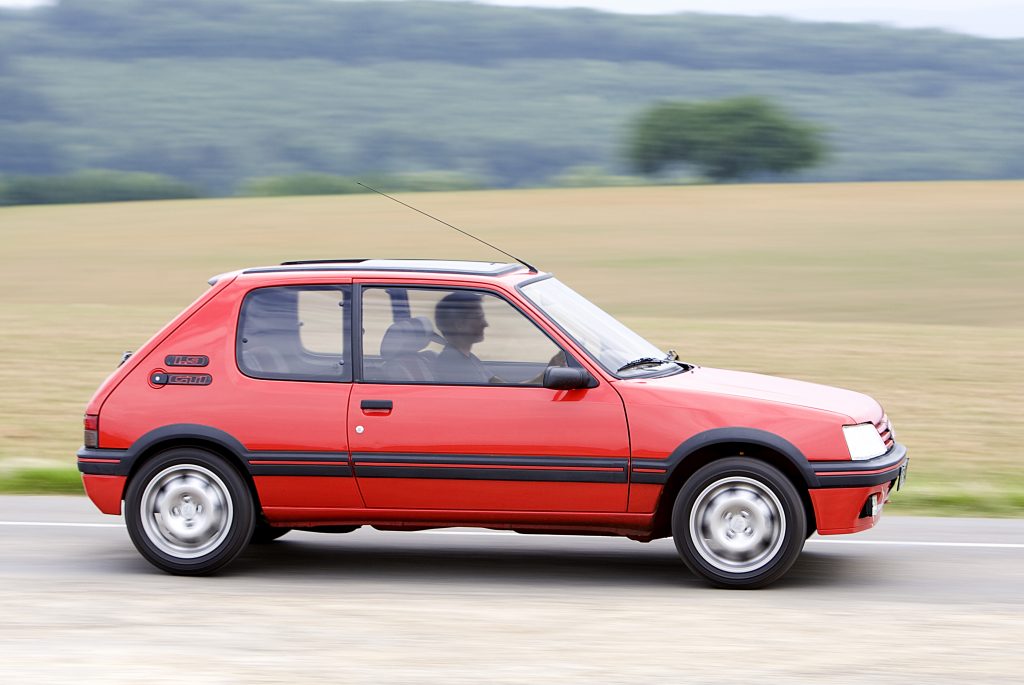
(460, 318)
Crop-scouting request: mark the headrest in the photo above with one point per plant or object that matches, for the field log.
(407, 336)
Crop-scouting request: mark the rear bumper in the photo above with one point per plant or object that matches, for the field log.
(845, 487)
(104, 462)
(104, 473)
(105, 492)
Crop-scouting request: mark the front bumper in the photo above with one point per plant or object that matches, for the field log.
(845, 486)
(859, 474)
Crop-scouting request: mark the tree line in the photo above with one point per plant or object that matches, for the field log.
(354, 32)
(724, 141)
(214, 93)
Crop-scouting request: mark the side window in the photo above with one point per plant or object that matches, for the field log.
(296, 333)
(451, 337)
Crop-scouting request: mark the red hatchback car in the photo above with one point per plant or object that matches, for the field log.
(413, 394)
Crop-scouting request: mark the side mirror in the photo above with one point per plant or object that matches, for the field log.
(567, 378)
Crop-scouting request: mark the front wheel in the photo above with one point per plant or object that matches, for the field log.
(188, 512)
(739, 523)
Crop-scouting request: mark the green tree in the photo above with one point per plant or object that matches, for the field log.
(725, 140)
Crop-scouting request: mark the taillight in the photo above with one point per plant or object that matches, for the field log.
(92, 430)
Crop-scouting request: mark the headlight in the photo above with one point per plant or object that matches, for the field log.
(863, 441)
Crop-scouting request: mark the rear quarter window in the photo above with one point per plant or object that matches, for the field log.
(295, 333)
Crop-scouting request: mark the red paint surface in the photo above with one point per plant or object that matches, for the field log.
(105, 492)
(837, 510)
(664, 412)
(301, 416)
(643, 497)
(329, 493)
(495, 495)
(496, 420)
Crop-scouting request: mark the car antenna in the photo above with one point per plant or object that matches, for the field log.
(529, 266)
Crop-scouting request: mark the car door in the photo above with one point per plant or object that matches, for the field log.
(292, 351)
(448, 411)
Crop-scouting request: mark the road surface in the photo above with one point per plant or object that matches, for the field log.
(915, 600)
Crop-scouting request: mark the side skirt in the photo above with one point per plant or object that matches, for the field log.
(623, 524)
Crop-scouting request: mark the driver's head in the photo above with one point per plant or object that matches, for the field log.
(460, 318)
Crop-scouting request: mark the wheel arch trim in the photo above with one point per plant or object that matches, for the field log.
(659, 471)
(122, 462)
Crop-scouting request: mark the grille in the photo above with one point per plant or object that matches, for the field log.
(885, 430)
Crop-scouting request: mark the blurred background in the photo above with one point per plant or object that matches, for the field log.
(802, 194)
(217, 97)
(832, 193)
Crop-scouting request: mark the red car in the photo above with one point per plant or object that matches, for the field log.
(413, 394)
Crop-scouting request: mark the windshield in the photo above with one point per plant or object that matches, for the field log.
(608, 341)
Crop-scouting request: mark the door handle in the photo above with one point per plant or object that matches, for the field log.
(376, 406)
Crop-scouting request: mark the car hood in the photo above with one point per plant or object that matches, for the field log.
(855, 405)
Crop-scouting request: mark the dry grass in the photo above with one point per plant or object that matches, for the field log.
(913, 293)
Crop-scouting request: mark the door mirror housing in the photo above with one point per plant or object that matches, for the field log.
(568, 378)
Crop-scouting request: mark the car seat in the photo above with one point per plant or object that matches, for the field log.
(401, 348)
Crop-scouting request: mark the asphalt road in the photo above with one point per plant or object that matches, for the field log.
(916, 600)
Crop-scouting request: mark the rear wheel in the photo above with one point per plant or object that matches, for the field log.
(188, 512)
(739, 523)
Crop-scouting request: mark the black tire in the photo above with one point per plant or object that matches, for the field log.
(189, 512)
(263, 533)
(739, 523)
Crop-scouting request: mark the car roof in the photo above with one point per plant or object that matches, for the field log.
(330, 270)
(436, 266)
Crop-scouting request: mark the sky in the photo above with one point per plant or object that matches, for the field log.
(989, 18)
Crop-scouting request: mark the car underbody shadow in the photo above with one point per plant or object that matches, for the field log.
(501, 560)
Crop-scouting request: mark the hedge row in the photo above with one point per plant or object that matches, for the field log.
(120, 186)
(92, 186)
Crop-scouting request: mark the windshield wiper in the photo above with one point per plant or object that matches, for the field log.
(642, 361)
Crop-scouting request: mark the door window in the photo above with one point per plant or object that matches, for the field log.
(451, 337)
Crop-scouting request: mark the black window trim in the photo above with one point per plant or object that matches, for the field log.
(357, 333)
(295, 286)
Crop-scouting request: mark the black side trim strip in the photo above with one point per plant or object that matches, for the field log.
(317, 466)
(274, 455)
(468, 473)
(490, 459)
(427, 466)
(300, 470)
(184, 432)
(656, 475)
(491, 467)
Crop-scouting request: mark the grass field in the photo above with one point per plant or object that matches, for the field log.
(913, 293)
